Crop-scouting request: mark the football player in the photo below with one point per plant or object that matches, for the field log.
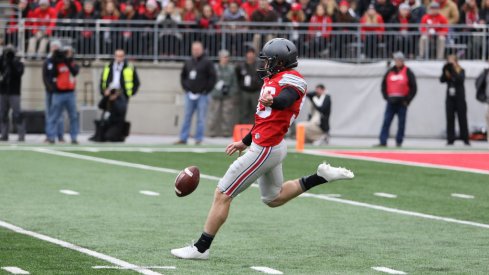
(281, 99)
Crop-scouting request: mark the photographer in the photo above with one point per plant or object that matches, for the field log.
(11, 71)
(64, 96)
(112, 126)
(118, 83)
(454, 76)
(317, 128)
(49, 80)
(222, 115)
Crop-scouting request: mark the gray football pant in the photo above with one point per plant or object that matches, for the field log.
(258, 163)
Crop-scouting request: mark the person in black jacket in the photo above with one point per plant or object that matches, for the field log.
(454, 76)
(198, 78)
(317, 128)
(482, 93)
(398, 89)
(11, 71)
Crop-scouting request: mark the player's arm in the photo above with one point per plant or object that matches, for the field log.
(285, 99)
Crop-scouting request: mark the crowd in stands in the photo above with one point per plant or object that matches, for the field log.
(317, 39)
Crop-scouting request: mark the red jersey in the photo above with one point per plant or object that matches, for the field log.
(271, 125)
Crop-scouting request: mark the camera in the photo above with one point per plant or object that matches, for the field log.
(9, 54)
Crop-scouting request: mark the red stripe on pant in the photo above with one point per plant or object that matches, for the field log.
(249, 172)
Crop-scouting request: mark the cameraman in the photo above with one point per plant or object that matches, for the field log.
(118, 83)
(223, 102)
(112, 126)
(11, 71)
(49, 79)
(64, 96)
(454, 76)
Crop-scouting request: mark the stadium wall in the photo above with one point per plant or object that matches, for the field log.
(357, 109)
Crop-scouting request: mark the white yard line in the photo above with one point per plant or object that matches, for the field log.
(80, 249)
(266, 270)
(120, 267)
(385, 195)
(149, 193)
(462, 196)
(323, 197)
(388, 270)
(69, 192)
(401, 162)
(15, 270)
(397, 211)
(114, 149)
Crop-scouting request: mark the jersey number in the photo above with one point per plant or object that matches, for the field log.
(267, 111)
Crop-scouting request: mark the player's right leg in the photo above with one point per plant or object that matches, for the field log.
(240, 175)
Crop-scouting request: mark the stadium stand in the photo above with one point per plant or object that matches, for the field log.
(352, 31)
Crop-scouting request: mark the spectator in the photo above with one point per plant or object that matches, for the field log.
(68, 9)
(469, 16)
(222, 109)
(263, 14)
(372, 30)
(249, 84)
(484, 12)
(110, 13)
(482, 94)
(11, 71)
(86, 37)
(319, 31)
(208, 22)
(449, 10)
(434, 26)
(42, 29)
(417, 10)
(454, 76)
(120, 75)
(330, 6)
(233, 39)
(398, 89)
(281, 7)
(317, 128)
(249, 7)
(308, 7)
(170, 41)
(234, 13)
(385, 9)
(147, 34)
(65, 70)
(344, 35)
(118, 83)
(49, 80)
(296, 16)
(198, 78)
(404, 41)
(129, 38)
(189, 12)
(23, 9)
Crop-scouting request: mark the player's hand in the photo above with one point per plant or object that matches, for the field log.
(107, 92)
(235, 146)
(266, 100)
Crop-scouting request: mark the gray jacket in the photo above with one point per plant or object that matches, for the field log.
(226, 85)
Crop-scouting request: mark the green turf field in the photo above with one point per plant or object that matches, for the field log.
(306, 236)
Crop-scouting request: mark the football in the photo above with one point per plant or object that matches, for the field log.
(187, 181)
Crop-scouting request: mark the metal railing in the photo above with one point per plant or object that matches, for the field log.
(156, 41)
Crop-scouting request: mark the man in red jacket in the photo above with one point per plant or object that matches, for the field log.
(44, 20)
(433, 25)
